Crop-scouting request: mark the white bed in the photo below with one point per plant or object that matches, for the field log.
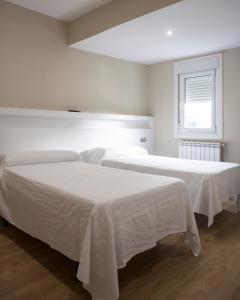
(209, 183)
(100, 217)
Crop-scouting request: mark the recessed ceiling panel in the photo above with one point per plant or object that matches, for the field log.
(188, 28)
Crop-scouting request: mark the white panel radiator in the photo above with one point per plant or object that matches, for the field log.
(200, 150)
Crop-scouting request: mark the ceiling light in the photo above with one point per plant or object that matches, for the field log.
(170, 32)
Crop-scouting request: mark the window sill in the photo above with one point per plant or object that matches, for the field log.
(199, 136)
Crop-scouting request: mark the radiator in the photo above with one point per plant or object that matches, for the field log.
(200, 150)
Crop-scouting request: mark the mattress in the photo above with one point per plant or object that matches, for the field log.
(100, 217)
(209, 183)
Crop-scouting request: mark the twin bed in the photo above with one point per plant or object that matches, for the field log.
(101, 216)
(210, 184)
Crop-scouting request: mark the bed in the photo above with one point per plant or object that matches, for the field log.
(98, 216)
(210, 184)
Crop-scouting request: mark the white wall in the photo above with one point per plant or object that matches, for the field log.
(161, 99)
(231, 105)
(161, 102)
(39, 70)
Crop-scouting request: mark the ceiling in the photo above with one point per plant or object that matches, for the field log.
(64, 10)
(198, 26)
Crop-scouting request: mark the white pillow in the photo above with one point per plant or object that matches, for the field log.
(43, 156)
(96, 155)
(92, 156)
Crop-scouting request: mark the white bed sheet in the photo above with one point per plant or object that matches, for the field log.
(98, 216)
(209, 183)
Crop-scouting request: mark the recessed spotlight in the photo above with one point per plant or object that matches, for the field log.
(169, 32)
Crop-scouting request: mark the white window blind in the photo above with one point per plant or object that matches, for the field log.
(198, 100)
(199, 88)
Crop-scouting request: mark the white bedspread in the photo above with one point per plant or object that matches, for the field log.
(100, 217)
(209, 183)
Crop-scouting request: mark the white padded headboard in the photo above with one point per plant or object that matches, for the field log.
(27, 129)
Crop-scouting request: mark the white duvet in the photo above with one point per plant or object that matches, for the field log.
(100, 217)
(209, 183)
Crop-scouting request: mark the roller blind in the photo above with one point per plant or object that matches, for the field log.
(197, 100)
(199, 88)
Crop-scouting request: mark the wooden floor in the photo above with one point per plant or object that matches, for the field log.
(29, 269)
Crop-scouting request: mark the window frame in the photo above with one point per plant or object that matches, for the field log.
(199, 66)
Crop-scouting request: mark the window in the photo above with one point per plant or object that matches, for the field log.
(198, 98)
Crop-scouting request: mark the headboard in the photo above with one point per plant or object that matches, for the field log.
(29, 129)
